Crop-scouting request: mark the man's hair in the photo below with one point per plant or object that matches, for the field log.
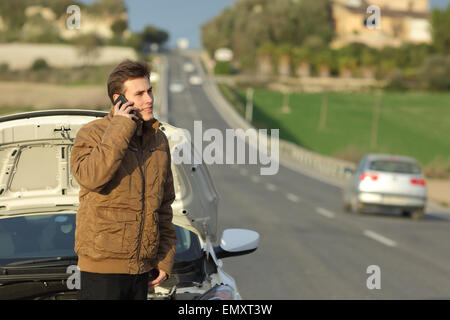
(126, 70)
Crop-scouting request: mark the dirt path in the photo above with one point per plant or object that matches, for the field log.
(439, 190)
(43, 96)
(22, 55)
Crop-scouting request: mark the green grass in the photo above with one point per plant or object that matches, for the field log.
(414, 124)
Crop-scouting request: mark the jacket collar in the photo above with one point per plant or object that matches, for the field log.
(150, 126)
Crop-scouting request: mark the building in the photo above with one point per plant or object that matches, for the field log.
(400, 21)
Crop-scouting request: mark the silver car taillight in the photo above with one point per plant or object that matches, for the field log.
(418, 181)
(367, 175)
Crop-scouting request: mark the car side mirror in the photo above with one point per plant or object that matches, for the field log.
(236, 242)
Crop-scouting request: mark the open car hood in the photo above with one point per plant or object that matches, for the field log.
(35, 169)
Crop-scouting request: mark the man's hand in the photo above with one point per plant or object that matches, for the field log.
(124, 110)
(161, 277)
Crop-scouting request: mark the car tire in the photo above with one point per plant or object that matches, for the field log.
(356, 207)
(406, 213)
(347, 207)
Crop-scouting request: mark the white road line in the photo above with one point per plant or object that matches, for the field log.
(255, 179)
(270, 187)
(325, 212)
(292, 197)
(378, 237)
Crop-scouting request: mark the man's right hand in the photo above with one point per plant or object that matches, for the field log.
(124, 110)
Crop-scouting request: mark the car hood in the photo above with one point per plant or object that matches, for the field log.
(35, 169)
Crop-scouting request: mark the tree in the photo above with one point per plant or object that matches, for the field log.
(249, 24)
(88, 46)
(119, 26)
(440, 22)
(152, 34)
(435, 72)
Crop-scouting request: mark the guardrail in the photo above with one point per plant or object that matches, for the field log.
(325, 165)
(161, 109)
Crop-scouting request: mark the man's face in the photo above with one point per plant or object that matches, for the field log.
(140, 92)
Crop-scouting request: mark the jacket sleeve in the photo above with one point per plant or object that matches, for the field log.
(168, 236)
(95, 159)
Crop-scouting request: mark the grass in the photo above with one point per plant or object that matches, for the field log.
(414, 124)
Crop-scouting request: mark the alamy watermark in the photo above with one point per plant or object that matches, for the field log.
(374, 20)
(374, 280)
(73, 21)
(221, 150)
(74, 280)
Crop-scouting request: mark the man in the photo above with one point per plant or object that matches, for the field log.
(124, 226)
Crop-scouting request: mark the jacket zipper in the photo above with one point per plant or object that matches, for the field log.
(143, 207)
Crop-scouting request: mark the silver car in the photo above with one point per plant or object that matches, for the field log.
(384, 181)
(39, 201)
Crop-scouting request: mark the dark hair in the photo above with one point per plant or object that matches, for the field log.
(124, 71)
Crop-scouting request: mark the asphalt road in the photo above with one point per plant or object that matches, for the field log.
(309, 247)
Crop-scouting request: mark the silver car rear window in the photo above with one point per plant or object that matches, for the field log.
(394, 166)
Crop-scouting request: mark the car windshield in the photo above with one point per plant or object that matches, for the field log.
(36, 236)
(395, 166)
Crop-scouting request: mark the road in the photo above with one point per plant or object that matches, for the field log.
(309, 247)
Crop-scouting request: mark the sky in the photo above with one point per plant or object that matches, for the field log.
(183, 18)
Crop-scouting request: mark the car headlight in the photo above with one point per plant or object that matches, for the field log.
(219, 292)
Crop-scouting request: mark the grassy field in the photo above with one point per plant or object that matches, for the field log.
(414, 124)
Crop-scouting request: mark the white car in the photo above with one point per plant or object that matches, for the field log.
(384, 181)
(154, 77)
(176, 87)
(188, 67)
(38, 205)
(195, 80)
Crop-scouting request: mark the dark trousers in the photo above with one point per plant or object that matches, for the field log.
(98, 286)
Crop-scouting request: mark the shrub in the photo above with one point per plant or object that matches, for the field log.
(435, 72)
(222, 67)
(39, 64)
(4, 67)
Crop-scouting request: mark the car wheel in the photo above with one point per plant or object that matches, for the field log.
(356, 207)
(347, 207)
(406, 213)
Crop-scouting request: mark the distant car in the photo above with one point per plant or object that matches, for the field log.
(188, 67)
(154, 77)
(176, 87)
(195, 80)
(39, 201)
(387, 181)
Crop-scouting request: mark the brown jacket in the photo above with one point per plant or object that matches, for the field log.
(124, 220)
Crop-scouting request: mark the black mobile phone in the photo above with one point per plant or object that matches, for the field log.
(124, 100)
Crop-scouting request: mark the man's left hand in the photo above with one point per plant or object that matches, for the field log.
(161, 277)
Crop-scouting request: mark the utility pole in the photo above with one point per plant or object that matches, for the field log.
(376, 117)
(323, 111)
(249, 106)
(285, 107)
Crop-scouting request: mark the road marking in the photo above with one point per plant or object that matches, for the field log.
(378, 237)
(292, 197)
(255, 179)
(325, 212)
(270, 187)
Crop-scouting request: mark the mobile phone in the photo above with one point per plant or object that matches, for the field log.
(124, 100)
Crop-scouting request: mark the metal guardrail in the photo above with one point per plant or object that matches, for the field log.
(161, 98)
(325, 165)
